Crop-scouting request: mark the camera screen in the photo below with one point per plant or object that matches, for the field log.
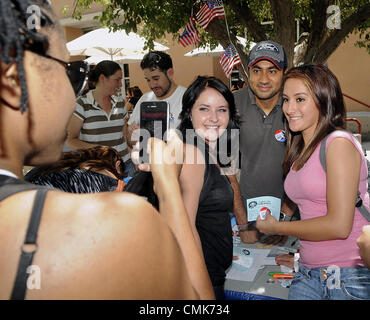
(154, 122)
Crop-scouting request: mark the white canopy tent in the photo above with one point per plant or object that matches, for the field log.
(101, 44)
(118, 59)
(206, 51)
(114, 44)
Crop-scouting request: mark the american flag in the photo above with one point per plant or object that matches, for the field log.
(189, 35)
(229, 59)
(210, 10)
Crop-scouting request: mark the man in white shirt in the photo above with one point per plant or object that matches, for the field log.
(158, 72)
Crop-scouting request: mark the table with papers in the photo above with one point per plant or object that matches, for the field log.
(249, 277)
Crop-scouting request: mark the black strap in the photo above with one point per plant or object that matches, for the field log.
(359, 205)
(10, 186)
(20, 285)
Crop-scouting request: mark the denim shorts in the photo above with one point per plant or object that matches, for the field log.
(330, 283)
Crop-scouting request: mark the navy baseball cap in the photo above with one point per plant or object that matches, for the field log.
(270, 51)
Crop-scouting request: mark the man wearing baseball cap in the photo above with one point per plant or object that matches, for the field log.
(262, 139)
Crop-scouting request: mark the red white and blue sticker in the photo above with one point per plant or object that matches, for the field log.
(172, 118)
(263, 212)
(280, 136)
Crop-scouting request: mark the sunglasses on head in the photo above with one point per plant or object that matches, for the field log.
(153, 58)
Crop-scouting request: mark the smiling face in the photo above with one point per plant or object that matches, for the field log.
(159, 82)
(300, 108)
(265, 80)
(210, 115)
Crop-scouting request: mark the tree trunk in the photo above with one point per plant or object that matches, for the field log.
(284, 26)
(318, 28)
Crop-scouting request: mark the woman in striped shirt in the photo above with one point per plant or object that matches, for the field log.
(99, 115)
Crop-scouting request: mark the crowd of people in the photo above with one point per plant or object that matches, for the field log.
(282, 117)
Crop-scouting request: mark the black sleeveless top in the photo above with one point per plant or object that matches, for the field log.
(213, 222)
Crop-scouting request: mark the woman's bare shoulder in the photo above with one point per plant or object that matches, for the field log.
(116, 244)
(193, 155)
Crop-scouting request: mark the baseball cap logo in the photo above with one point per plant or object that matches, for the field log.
(267, 46)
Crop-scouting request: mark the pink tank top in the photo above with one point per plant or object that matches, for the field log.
(307, 188)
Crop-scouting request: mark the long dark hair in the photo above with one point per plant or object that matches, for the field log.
(324, 87)
(188, 100)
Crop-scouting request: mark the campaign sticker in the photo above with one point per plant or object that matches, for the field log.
(263, 212)
(280, 136)
(172, 118)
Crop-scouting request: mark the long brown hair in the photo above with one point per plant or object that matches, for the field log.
(96, 159)
(327, 94)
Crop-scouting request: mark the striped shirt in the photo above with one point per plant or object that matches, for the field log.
(99, 127)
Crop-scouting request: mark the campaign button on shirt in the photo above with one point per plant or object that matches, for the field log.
(172, 118)
(280, 136)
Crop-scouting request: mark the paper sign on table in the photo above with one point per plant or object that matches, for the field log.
(248, 263)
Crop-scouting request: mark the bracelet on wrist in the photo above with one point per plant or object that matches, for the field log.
(242, 227)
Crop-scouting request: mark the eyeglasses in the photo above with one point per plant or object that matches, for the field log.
(77, 72)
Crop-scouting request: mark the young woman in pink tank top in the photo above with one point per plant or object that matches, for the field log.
(330, 265)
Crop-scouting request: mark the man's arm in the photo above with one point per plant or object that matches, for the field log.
(133, 124)
(130, 137)
(240, 213)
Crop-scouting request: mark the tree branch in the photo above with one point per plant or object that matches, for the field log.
(337, 36)
(218, 31)
(247, 17)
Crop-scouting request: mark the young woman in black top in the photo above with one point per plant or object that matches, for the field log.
(208, 121)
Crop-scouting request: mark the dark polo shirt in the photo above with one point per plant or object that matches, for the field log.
(261, 151)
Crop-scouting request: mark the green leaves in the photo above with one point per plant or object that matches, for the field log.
(153, 19)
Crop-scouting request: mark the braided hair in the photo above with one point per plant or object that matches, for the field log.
(20, 22)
